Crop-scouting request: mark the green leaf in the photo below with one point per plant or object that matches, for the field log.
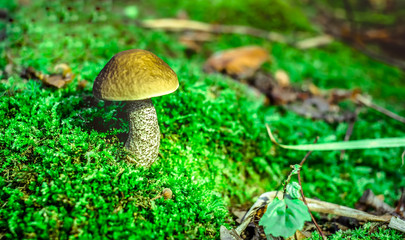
(294, 190)
(284, 217)
(296, 168)
(355, 144)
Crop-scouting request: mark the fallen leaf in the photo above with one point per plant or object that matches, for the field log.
(298, 235)
(320, 109)
(276, 94)
(82, 84)
(314, 90)
(380, 197)
(54, 80)
(282, 78)
(9, 69)
(282, 96)
(240, 62)
(62, 68)
(59, 80)
(239, 214)
(338, 95)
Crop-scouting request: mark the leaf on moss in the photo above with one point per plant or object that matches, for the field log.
(240, 62)
(284, 217)
(63, 75)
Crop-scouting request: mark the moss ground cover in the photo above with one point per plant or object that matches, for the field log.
(63, 173)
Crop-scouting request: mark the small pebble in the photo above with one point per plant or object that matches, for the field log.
(167, 193)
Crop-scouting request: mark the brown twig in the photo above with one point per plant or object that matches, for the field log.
(370, 199)
(367, 102)
(178, 25)
(287, 181)
(349, 132)
(397, 224)
(303, 196)
(313, 42)
(331, 208)
(401, 204)
(313, 205)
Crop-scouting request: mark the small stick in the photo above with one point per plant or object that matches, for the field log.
(401, 204)
(397, 224)
(349, 132)
(369, 199)
(317, 41)
(382, 110)
(331, 208)
(178, 25)
(313, 205)
(302, 192)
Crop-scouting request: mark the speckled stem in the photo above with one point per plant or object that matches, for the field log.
(144, 134)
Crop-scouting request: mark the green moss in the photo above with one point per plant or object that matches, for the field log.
(63, 172)
(368, 232)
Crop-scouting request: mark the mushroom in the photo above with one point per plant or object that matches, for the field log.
(135, 76)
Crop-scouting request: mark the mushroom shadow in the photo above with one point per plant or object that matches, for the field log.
(90, 114)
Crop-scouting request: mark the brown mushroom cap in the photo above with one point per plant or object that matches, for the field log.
(134, 75)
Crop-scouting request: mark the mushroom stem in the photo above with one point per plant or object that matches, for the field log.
(144, 134)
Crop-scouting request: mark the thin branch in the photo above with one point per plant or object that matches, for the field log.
(371, 200)
(401, 204)
(178, 25)
(313, 205)
(313, 42)
(302, 192)
(349, 132)
(363, 100)
(397, 224)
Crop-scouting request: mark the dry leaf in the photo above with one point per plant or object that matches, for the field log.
(240, 62)
(319, 108)
(62, 68)
(314, 90)
(82, 84)
(239, 214)
(9, 69)
(274, 92)
(55, 80)
(59, 80)
(298, 235)
(282, 96)
(338, 95)
(282, 78)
